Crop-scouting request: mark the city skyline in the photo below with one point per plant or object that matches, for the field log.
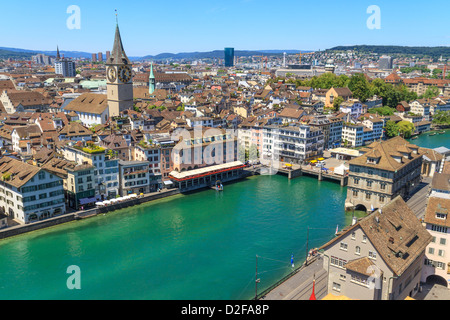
(199, 26)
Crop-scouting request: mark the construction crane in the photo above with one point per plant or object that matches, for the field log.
(262, 61)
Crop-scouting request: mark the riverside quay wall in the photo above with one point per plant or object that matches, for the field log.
(69, 217)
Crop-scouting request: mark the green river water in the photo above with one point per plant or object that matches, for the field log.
(186, 247)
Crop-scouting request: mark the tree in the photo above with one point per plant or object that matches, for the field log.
(406, 128)
(337, 102)
(241, 154)
(383, 111)
(359, 86)
(253, 152)
(442, 118)
(431, 92)
(391, 129)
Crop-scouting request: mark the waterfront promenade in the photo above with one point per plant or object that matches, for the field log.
(299, 285)
(71, 215)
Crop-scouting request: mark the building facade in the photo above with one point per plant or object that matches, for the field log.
(292, 144)
(383, 171)
(379, 257)
(28, 193)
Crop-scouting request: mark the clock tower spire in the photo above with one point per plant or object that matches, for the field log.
(151, 81)
(119, 78)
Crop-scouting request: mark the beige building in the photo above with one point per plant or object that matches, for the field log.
(379, 257)
(437, 256)
(383, 171)
(333, 93)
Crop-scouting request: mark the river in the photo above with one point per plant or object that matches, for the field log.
(436, 141)
(186, 247)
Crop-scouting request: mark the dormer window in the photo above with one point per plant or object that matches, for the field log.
(441, 215)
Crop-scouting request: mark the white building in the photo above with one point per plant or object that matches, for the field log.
(106, 168)
(353, 107)
(65, 67)
(353, 134)
(134, 177)
(29, 193)
(199, 122)
(292, 144)
(152, 154)
(91, 108)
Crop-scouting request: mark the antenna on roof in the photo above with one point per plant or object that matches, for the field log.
(117, 19)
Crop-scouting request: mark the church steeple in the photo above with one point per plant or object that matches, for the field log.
(151, 82)
(58, 57)
(119, 78)
(118, 55)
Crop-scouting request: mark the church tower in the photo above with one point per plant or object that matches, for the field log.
(152, 81)
(119, 78)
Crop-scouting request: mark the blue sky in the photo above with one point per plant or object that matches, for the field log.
(152, 27)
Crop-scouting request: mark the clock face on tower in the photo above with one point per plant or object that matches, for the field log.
(124, 74)
(112, 74)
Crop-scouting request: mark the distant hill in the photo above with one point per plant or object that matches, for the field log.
(434, 52)
(216, 54)
(17, 53)
(6, 54)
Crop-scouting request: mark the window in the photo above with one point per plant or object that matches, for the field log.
(342, 277)
(431, 250)
(369, 184)
(41, 175)
(359, 279)
(372, 255)
(443, 241)
(343, 246)
(353, 235)
(368, 196)
(439, 229)
(364, 239)
(355, 193)
(383, 186)
(381, 198)
(336, 287)
(358, 250)
(337, 262)
(441, 216)
(441, 253)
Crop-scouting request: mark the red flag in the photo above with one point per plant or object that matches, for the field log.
(313, 295)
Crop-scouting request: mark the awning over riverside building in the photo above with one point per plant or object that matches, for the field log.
(206, 177)
(207, 171)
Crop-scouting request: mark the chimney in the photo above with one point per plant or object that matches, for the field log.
(354, 220)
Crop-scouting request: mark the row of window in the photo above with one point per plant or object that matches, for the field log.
(42, 186)
(44, 204)
(381, 198)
